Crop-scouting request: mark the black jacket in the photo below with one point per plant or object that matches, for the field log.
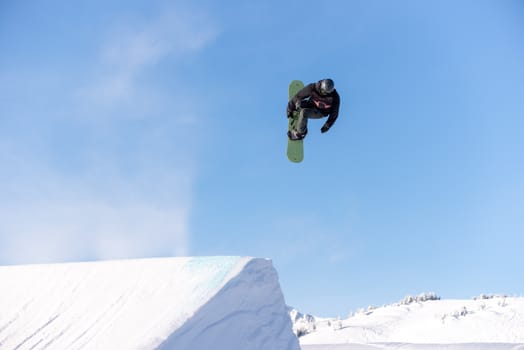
(310, 97)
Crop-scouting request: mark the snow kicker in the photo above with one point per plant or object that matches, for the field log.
(163, 304)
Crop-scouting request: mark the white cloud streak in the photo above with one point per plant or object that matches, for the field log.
(83, 230)
(119, 203)
(55, 218)
(137, 46)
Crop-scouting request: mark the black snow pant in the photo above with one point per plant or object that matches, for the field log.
(303, 115)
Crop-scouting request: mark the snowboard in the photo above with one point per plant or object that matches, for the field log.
(295, 148)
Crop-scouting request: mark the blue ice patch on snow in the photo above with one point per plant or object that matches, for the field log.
(220, 266)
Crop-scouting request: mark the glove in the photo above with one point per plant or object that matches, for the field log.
(325, 128)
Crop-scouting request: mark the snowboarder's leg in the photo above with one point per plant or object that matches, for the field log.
(305, 114)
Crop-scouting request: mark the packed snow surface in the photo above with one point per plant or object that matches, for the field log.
(494, 323)
(174, 303)
(403, 346)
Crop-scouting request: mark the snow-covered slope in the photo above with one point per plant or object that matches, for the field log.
(175, 303)
(474, 324)
(403, 346)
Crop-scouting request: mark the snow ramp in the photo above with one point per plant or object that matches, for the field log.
(207, 303)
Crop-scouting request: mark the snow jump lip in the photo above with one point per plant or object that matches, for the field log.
(163, 303)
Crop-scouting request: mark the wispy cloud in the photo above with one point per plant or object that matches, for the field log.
(71, 189)
(136, 46)
(52, 217)
(90, 230)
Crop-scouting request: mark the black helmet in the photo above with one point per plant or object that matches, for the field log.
(327, 86)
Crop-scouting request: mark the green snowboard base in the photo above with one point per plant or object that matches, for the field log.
(295, 148)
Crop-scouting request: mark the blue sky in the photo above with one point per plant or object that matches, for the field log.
(157, 128)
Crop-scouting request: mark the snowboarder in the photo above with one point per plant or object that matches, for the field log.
(314, 101)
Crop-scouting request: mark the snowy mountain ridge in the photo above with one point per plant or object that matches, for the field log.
(418, 320)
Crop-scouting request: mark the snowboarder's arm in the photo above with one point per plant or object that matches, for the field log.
(301, 95)
(333, 114)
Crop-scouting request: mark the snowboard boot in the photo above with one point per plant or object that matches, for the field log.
(295, 135)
